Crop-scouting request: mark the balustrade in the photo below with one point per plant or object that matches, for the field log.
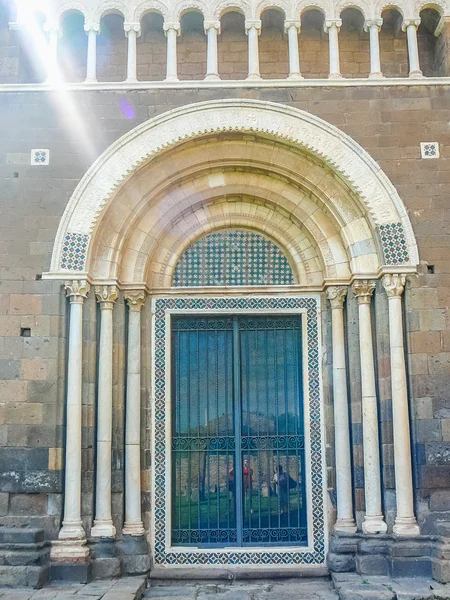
(338, 62)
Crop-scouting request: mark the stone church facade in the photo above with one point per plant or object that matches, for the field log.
(224, 269)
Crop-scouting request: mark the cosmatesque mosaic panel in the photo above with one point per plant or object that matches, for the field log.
(232, 257)
(74, 252)
(164, 555)
(393, 241)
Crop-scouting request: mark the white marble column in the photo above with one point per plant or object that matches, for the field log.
(292, 29)
(54, 33)
(373, 26)
(133, 519)
(410, 26)
(72, 537)
(332, 27)
(172, 31)
(91, 68)
(405, 521)
(253, 30)
(345, 519)
(212, 30)
(103, 526)
(373, 519)
(132, 31)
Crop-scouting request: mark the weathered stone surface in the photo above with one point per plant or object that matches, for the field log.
(340, 563)
(365, 592)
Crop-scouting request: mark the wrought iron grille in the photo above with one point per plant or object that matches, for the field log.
(238, 464)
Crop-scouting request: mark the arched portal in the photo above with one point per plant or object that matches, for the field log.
(301, 208)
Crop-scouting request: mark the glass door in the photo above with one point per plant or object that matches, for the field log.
(238, 469)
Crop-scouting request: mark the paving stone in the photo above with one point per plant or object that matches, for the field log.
(365, 592)
(169, 592)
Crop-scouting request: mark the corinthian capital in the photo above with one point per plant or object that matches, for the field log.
(363, 290)
(77, 290)
(106, 295)
(336, 294)
(135, 299)
(394, 284)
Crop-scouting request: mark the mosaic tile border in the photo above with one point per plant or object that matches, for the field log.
(232, 257)
(394, 244)
(162, 554)
(74, 252)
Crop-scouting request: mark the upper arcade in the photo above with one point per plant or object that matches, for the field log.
(76, 41)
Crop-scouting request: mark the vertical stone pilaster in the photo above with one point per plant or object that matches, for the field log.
(345, 519)
(253, 30)
(405, 521)
(373, 519)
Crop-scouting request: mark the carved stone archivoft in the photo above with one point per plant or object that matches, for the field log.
(394, 284)
(363, 290)
(77, 290)
(336, 294)
(135, 299)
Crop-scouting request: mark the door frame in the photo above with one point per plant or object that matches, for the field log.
(308, 306)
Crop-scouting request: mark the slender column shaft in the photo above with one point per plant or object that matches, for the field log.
(133, 520)
(172, 31)
(52, 71)
(253, 29)
(212, 29)
(333, 27)
(132, 30)
(293, 29)
(103, 525)
(72, 528)
(411, 25)
(345, 520)
(373, 519)
(405, 522)
(91, 68)
(373, 27)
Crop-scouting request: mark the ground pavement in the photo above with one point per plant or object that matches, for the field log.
(343, 587)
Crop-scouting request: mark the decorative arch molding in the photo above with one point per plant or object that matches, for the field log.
(309, 133)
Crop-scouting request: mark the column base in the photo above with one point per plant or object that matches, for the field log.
(254, 77)
(133, 528)
(294, 76)
(72, 530)
(416, 75)
(171, 79)
(69, 551)
(103, 529)
(406, 526)
(90, 80)
(376, 75)
(374, 524)
(132, 80)
(345, 526)
(212, 77)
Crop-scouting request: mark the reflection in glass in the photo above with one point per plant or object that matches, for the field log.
(238, 451)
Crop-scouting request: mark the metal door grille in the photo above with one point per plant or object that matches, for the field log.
(238, 468)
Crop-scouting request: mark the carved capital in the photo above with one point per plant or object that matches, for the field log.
(175, 25)
(77, 290)
(332, 23)
(363, 290)
(127, 27)
(253, 24)
(336, 294)
(135, 299)
(443, 22)
(53, 28)
(410, 22)
(106, 295)
(373, 23)
(394, 284)
(92, 27)
(288, 24)
(212, 25)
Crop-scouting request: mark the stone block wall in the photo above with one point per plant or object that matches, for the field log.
(388, 122)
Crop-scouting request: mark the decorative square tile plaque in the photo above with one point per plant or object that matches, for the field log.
(429, 149)
(40, 157)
